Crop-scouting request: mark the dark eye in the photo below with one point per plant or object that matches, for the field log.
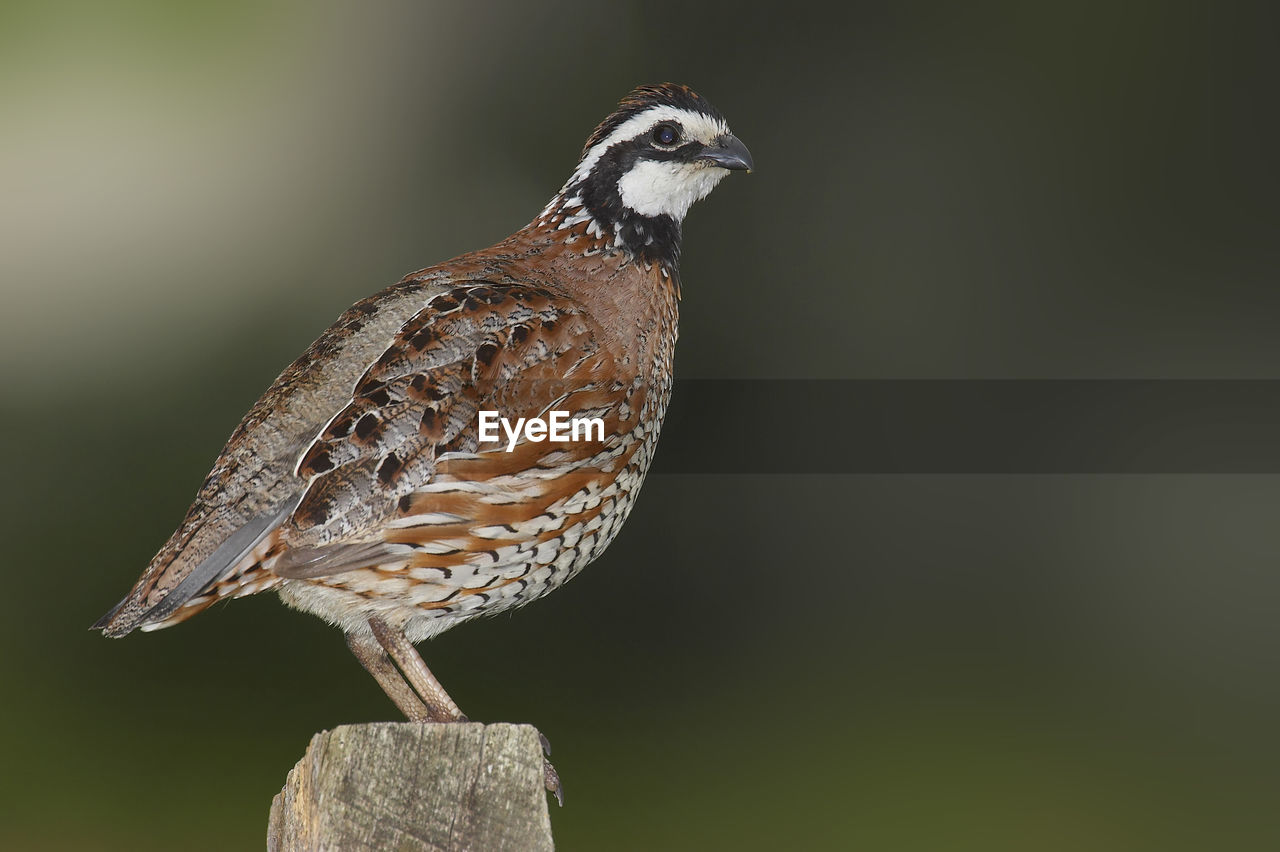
(666, 134)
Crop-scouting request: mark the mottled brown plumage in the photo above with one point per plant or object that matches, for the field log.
(358, 485)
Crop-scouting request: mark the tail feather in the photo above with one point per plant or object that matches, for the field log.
(162, 593)
(101, 623)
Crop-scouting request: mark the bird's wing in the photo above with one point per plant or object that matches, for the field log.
(401, 467)
(252, 487)
(311, 493)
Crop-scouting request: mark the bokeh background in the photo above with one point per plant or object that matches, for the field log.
(191, 191)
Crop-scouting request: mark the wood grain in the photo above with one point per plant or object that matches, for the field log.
(407, 786)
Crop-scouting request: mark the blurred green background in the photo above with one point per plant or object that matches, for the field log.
(191, 191)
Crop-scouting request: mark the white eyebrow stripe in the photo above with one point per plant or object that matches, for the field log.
(696, 124)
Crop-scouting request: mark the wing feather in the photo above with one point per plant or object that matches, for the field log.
(516, 349)
(301, 563)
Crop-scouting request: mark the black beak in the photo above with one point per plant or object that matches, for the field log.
(727, 152)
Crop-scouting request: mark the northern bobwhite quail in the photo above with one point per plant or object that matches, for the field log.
(359, 487)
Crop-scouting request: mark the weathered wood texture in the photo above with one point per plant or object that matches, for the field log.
(404, 786)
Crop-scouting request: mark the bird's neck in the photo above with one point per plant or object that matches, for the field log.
(592, 218)
(634, 296)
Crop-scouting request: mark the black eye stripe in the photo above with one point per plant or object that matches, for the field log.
(622, 155)
(685, 152)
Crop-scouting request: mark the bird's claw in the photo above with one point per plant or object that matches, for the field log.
(552, 780)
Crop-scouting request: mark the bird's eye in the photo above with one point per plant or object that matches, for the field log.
(666, 134)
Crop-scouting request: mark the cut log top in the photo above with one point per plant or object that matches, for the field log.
(406, 786)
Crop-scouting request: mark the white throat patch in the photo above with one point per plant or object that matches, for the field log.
(664, 188)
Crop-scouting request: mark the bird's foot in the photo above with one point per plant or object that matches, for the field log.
(549, 774)
(552, 779)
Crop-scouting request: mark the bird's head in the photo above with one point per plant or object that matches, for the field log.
(664, 148)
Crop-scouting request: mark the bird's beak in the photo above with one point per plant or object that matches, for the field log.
(727, 152)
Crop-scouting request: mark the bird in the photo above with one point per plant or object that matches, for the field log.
(361, 487)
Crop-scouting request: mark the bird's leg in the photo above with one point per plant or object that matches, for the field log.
(438, 702)
(440, 707)
(372, 656)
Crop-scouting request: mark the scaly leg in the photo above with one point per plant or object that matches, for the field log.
(438, 702)
(439, 706)
(375, 661)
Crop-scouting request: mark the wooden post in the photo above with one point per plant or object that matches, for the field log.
(405, 786)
